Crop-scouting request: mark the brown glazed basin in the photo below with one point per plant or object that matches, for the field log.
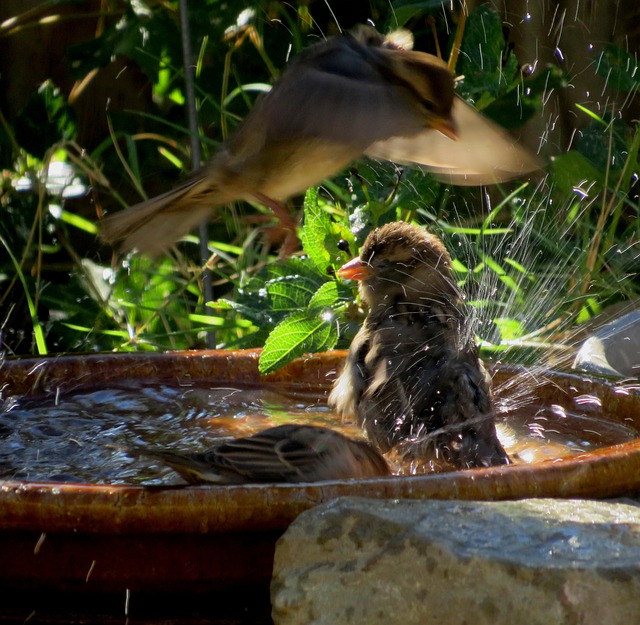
(84, 540)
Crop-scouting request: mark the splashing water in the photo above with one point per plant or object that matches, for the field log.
(83, 436)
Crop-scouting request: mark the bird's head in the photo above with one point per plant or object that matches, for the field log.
(431, 83)
(426, 78)
(401, 262)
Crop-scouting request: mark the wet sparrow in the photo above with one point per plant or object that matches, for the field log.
(351, 95)
(286, 453)
(413, 376)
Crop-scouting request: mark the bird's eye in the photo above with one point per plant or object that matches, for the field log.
(428, 105)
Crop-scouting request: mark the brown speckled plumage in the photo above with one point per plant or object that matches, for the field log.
(413, 375)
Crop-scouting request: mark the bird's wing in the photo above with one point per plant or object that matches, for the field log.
(339, 93)
(464, 412)
(483, 153)
(285, 453)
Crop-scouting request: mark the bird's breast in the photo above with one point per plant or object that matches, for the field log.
(302, 164)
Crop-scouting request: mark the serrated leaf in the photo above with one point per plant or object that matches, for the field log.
(290, 293)
(260, 316)
(600, 143)
(317, 227)
(301, 332)
(481, 62)
(143, 37)
(524, 98)
(325, 297)
(282, 269)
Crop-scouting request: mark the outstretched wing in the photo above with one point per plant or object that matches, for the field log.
(483, 153)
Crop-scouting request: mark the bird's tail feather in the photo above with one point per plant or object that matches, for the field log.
(153, 225)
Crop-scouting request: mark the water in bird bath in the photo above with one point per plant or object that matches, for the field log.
(79, 436)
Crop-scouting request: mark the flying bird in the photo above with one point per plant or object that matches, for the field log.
(286, 453)
(352, 95)
(413, 377)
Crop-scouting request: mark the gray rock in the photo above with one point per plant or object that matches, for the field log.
(536, 561)
(614, 349)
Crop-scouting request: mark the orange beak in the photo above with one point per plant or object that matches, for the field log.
(355, 269)
(447, 126)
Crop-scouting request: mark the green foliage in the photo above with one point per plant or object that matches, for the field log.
(485, 50)
(404, 10)
(619, 68)
(45, 120)
(543, 258)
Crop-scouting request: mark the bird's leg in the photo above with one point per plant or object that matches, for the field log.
(287, 222)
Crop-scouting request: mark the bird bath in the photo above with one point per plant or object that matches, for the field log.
(161, 540)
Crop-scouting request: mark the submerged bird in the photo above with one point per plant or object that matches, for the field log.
(413, 376)
(354, 94)
(286, 453)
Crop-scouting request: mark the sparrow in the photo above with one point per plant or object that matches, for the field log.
(354, 94)
(286, 453)
(413, 377)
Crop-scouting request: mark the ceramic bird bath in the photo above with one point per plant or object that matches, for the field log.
(82, 539)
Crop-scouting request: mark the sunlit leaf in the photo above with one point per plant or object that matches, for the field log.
(510, 329)
(317, 226)
(79, 222)
(576, 175)
(301, 332)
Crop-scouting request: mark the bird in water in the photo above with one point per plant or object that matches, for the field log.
(354, 94)
(413, 377)
(286, 453)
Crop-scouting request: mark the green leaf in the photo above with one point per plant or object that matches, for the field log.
(290, 293)
(511, 284)
(516, 265)
(524, 97)
(510, 329)
(259, 315)
(325, 297)
(575, 174)
(590, 308)
(317, 227)
(619, 69)
(143, 37)
(78, 222)
(493, 265)
(404, 10)
(282, 269)
(300, 333)
(45, 120)
(600, 143)
(483, 62)
(459, 266)
(38, 332)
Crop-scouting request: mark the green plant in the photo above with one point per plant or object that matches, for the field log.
(537, 260)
